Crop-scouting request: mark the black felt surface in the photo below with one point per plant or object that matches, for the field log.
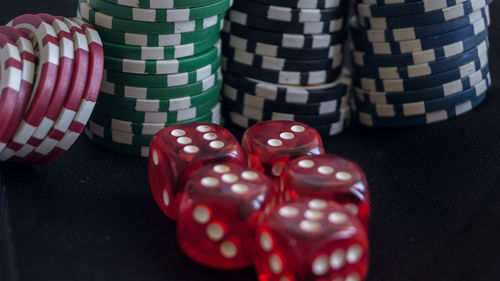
(90, 216)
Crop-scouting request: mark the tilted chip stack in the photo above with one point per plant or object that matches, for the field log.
(282, 60)
(162, 67)
(419, 62)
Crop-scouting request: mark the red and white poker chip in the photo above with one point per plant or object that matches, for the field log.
(75, 94)
(46, 43)
(94, 80)
(28, 72)
(10, 80)
(60, 94)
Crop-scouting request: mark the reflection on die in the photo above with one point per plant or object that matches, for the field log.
(178, 151)
(219, 211)
(329, 177)
(311, 239)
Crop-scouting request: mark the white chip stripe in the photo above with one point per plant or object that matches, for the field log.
(365, 9)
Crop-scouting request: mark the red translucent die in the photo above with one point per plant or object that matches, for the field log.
(329, 177)
(271, 144)
(219, 212)
(311, 239)
(177, 151)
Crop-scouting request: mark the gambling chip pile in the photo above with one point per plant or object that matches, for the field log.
(282, 60)
(419, 62)
(276, 201)
(51, 70)
(162, 67)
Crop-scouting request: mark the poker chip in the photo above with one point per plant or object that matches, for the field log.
(28, 72)
(309, 4)
(60, 94)
(158, 53)
(422, 82)
(283, 60)
(55, 70)
(163, 80)
(159, 93)
(421, 31)
(270, 50)
(10, 82)
(404, 72)
(162, 66)
(281, 64)
(287, 14)
(283, 77)
(440, 91)
(151, 105)
(114, 23)
(160, 15)
(431, 17)
(46, 47)
(37, 152)
(158, 40)
(416, 45)
(150, 129)
(153, 4)
(319, 27)
(285, 40)
(419, 62)
(156, 117)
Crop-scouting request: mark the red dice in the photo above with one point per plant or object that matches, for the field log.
(329, 177)
(311, 239)
(271, 144)
(219, 211)
(178, 151)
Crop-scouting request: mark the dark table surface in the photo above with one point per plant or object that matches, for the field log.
(90, 215)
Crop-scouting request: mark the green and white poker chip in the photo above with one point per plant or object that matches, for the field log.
(149, 105)
(163, 80)
(160, 15)
(163, 4)
(134, 150)
(158, 40)
(103, 20)
(160, 93)
(162, 66)
(150, 129)
(158, 53)
(156, 117)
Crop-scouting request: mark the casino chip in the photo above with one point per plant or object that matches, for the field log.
(283, 60)
(419, 62)
(50, 65)
(162, 66)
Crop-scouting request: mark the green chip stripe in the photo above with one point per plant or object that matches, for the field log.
(133, 150)
(158, 53)
(164, 4)
(121, 90)
(155, 117)
(164, 80)
(143, 105)
(150, 129)
(160, 15)
(162, 66)
(101, 19)
(157, 40)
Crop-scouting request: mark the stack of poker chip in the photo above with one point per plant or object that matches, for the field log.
(162, 67)
(51, 71)
(282, 60)
(419, 62)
